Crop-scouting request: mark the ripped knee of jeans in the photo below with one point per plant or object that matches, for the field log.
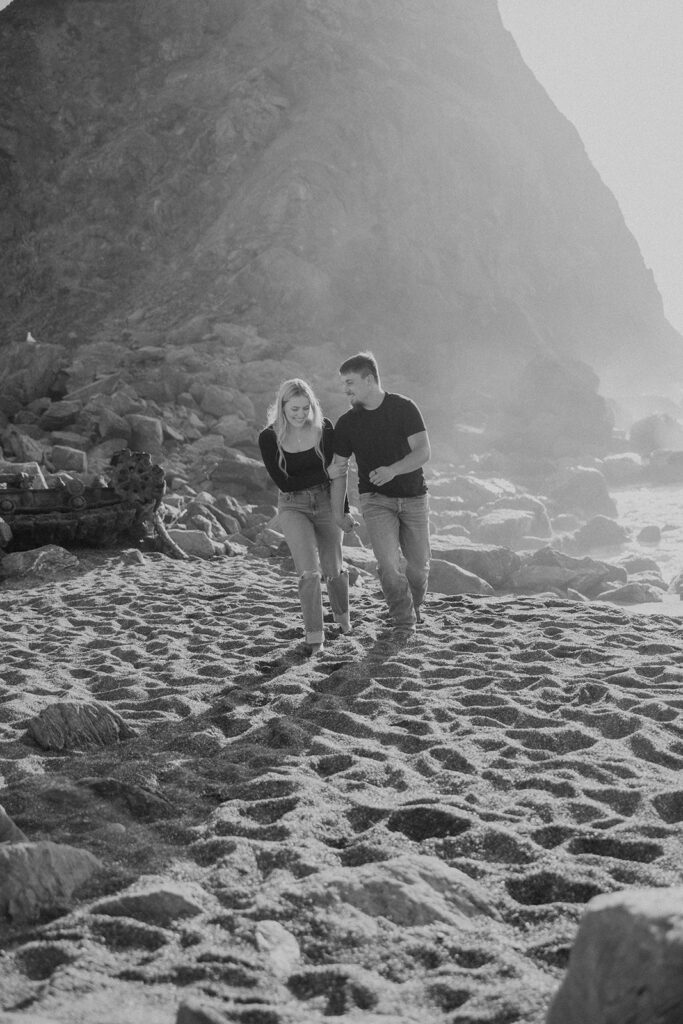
(309, 574)
(336, 576)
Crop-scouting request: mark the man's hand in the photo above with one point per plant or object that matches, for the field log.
(381, 475)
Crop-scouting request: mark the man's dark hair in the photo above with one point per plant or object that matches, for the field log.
(364, 363)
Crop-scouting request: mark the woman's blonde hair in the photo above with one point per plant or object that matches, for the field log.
(276, 416)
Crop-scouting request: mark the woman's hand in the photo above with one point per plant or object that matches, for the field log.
(346, 523)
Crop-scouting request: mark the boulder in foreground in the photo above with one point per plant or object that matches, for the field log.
(626, 964)
(37, 877)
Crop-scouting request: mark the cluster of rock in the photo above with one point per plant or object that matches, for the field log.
(196, 404)
(513, 541)
(186, 405)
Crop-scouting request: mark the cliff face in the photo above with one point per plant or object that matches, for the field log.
(348, 173)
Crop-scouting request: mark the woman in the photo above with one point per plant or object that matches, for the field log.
(296, 448)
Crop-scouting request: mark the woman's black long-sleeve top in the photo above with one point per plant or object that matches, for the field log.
(304, 469)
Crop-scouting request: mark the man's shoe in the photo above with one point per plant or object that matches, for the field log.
(344, 622)
(403, 627)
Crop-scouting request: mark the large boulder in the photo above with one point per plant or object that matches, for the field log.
(110, 424)
(659, 430)
(472, 491)
(540, 524)
(489, 562)
(195, 543)
(623, 468)
(666, 466)
(448, 578)
(40, 877)
(67, 458)
(599, 532)
(235, 468)
(22, 446)
(634, 592)
(59, 415)
(583, 490)
(146, 433)
(222, 401)
(548, 569)
(506, 527)
(29, 371)
(625, 964)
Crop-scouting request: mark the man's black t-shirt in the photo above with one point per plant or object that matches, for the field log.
(379, 437)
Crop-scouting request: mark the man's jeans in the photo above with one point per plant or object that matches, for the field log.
(395, 526)
(315, 542)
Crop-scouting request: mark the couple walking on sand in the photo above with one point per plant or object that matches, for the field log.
(307, 458)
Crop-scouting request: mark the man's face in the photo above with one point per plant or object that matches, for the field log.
(356, 387)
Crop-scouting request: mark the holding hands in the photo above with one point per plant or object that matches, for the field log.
(346, 523)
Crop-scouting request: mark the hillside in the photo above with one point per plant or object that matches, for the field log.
(333, 174)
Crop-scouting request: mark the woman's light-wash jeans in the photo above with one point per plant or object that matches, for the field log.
(400, 526)
(315, 542)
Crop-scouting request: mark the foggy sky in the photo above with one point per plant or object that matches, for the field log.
(613, 68)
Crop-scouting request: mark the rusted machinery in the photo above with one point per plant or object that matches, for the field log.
(72, 513)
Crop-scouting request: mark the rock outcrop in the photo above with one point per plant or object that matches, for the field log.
(329, 175)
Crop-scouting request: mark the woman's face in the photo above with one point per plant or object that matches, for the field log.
(297, 410)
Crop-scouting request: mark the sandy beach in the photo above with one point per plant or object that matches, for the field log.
(398, 829)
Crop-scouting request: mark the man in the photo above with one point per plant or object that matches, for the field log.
(387, 435)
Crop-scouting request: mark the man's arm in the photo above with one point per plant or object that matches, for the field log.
(420, 452)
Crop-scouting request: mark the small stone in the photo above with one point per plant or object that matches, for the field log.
(159, 905)
(132, 557)
(448, 578)
(279, 946)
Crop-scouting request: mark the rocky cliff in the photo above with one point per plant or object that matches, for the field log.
(327, 174)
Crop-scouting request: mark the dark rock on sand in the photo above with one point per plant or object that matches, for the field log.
(70, 724)
(46, 559)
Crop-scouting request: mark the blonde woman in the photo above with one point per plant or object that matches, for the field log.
(296, 448)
